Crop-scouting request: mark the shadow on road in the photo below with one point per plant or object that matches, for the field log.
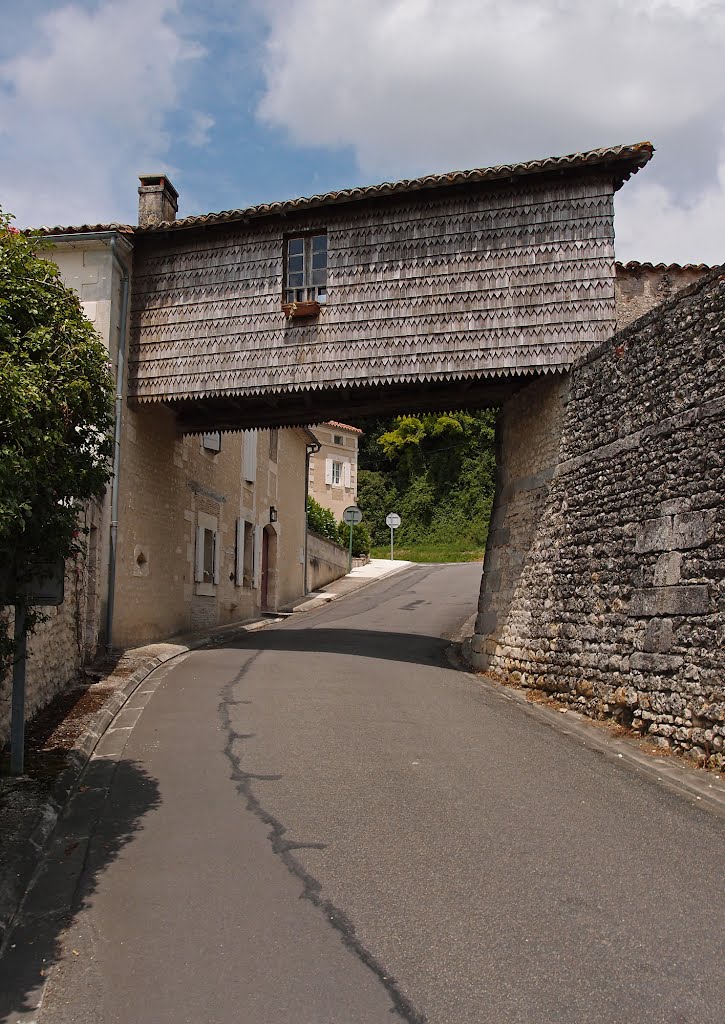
(101, 819)
(363, 643)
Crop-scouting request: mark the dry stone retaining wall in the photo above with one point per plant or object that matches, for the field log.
(603, 577)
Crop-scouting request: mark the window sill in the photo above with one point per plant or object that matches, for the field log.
(296, 310)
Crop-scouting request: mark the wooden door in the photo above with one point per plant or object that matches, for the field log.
(265, 571)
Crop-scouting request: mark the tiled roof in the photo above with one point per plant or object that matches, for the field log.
(634, 265)
(627, 160)
(343, 426)
(82, 229)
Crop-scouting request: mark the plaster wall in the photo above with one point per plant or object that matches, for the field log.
(326, 561)
(171, 485)
(639, 287)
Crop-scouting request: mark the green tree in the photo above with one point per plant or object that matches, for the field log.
(56, 416)
(438, 470)
(376, 496)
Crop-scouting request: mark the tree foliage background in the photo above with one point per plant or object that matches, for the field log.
(437, 471)
(56, 417)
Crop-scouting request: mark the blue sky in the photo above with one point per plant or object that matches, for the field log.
(240, 102)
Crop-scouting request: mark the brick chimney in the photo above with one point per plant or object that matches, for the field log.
(158, 200)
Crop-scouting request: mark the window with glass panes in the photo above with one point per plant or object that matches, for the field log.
(306, 269)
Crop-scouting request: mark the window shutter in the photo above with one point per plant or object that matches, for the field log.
(199, 559)
(257, 565)
(328, 471)
(239, 552)
(249, 467)
(346, 474)
(217, 557)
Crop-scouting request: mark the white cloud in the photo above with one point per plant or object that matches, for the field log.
(200, 126)
(84, 111)
(652, 224)
(421, 85)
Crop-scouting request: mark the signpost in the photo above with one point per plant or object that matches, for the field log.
(351, 515)
(393, 521)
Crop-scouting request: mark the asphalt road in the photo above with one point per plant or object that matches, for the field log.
(327, 823)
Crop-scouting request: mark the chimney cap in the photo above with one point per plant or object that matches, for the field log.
(156, 181)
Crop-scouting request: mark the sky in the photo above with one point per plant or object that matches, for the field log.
(248, 101)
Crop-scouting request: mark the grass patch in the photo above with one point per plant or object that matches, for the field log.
(432, 553)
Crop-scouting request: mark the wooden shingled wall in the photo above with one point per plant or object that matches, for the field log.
(486, 281)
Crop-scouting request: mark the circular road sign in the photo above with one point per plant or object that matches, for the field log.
(393, 520)
(352, 514)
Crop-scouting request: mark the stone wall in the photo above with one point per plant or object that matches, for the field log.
(603, 576)
(54, 658)
(639, 287)
(326, 561)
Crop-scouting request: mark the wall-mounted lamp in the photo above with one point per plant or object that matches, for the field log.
(272, 514)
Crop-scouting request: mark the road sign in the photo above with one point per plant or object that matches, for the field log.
(352, 514)
(393, 521)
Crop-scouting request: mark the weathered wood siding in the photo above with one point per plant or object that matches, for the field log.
(486, 281)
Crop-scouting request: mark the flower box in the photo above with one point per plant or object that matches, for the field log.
(294, 310)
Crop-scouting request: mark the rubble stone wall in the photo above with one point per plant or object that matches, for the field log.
(603, 576)
(55, 657)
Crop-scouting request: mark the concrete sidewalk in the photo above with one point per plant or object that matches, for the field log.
(376, 569)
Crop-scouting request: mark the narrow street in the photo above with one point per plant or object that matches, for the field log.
(326, 822)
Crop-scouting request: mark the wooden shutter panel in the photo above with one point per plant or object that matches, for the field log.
(249, 468)
(346, 474)
(328, 471)
(217, 557)
(199, 555)
(257, 565)
(239, 554)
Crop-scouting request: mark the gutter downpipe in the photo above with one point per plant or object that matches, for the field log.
(310, 449)
(120, 374)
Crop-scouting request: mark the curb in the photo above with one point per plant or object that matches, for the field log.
(21, 870)
(27, 860)
(702, 790)
(325, 600)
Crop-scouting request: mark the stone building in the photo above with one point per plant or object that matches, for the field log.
(638, 287)
(333, 470)
(197, 530)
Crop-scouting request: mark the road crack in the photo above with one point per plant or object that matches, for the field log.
(284, 848)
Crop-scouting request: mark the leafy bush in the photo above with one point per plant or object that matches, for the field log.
(321, 519)
(56, 415)
(361, 542)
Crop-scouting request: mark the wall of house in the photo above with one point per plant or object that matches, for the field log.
(336, 497)
(603, 576)
(171, 485)
(639, 287)
(326, 561)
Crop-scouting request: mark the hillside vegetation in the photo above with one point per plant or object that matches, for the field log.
(437, 472)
